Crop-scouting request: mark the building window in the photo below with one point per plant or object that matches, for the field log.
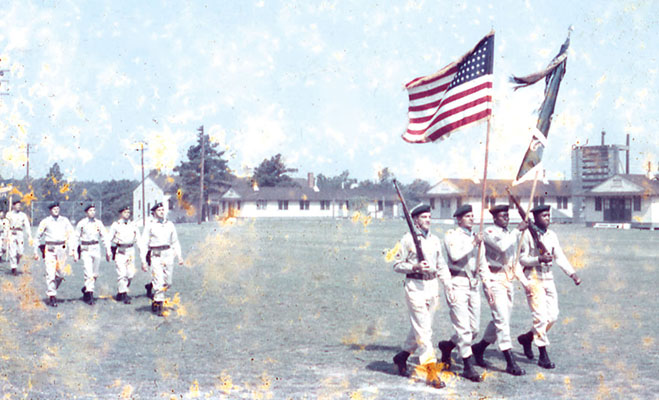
(324, 204)
(261, 204)
(561, 202)
(458, 202)
(637, 203)
(304, 204)
(139, 204)
(347, 204)
(446, 203)
(538, 201)
(283, 204)
(598, 204)
(432, 203)
(380, 205)
(490, 201)
(238, 205)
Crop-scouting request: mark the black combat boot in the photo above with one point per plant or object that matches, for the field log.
(126, 298)
(469, 371)
(446, 346)
(400, 360)
(149, 290)
(544, 360)
(478, 349)
(119, 296)
(511, 366)
(432, 375)
(52, 301)
(526, 340)
(14, 272)
(82, 289)
(89, 298)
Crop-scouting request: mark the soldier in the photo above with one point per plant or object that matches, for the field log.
(19, 226)
(161, 240)
(500, 249)
(421, 293)
(4, 235)
(538, 281)
(89, 232)
(57, 233)
(149, 218)
(461, 247)
(124, 236)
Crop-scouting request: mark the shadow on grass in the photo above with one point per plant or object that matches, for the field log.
(382, 366)
(373, 347)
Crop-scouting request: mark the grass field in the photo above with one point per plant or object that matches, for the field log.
(277, 309)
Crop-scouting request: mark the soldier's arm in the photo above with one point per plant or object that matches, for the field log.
(176, 244)
(105, 236)
(518, 267)
(456, 248)
(562, 261)
(27, 228)
(405, 257)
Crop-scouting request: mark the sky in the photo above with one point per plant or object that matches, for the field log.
(320, 82)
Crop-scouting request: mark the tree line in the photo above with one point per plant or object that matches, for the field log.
(218, 177)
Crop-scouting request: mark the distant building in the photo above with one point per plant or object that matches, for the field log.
(158, 188)
(630, 200)
(449, 194)
(245, 199)
(592, 165)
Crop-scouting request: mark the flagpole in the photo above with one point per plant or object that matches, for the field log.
(528, 209)
(487, 148)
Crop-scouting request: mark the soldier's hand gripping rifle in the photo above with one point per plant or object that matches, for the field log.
(410, 224)
(532, 228)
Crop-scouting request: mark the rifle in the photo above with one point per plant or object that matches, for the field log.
(408, 218)
(532, 228)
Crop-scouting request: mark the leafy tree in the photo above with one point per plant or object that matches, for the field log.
(336, 182)
(273, 172)
(52, 188)
(385, 180)
(415, 191)
(216, 171)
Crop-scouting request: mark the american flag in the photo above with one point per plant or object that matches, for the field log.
(456, 96)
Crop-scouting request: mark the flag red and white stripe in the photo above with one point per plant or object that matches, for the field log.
(458, 95)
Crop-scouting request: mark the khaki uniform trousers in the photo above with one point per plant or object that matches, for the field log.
(465, 314)
(91, 260)
(124, 260)
(421, 306)
(55, 260)
(502, 292)
(543, 304)
(16, 248)
(162, 268)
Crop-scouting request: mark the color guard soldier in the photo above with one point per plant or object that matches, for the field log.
(161, 240)
(19, 226)
(124, 236)
(57, 234)
(538, 281)
(421, 293)
(461, 247)
(89, 232)
(500, 251)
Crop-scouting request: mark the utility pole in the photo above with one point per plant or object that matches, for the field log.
(141, 150)
(200, 214)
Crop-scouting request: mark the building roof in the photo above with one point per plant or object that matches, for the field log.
(632, 184)
(242, 189)
(497, 187)
(166, 183)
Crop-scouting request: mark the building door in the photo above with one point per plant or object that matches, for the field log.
(445, 208)
(616, 210)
